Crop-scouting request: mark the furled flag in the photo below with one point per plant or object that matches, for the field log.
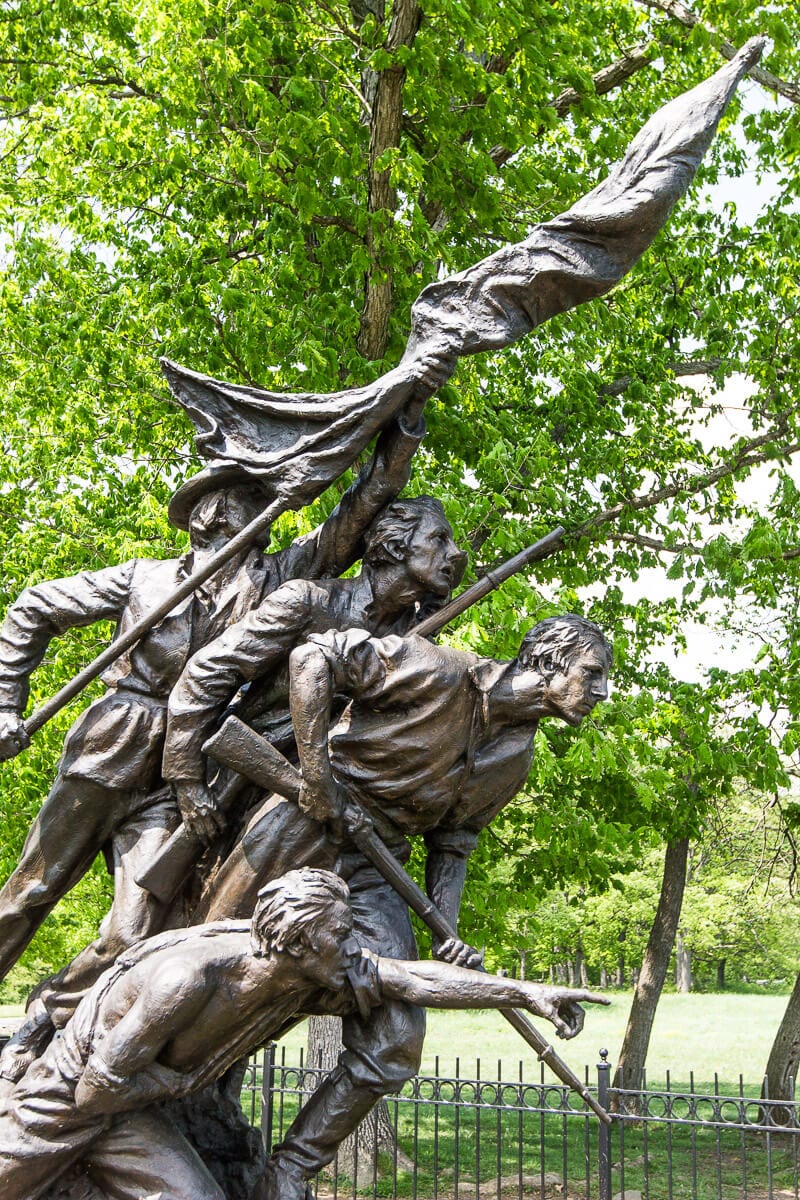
(300, 443)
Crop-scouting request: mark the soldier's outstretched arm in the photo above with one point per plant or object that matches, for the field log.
(339, 542)
(251, 649)
(39, 614)
(443, 985)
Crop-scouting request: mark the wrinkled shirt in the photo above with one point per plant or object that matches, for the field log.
(257, 648)
(416, 745)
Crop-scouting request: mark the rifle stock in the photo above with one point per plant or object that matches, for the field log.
(166, 874)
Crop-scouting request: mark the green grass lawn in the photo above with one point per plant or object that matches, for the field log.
(727, 1033)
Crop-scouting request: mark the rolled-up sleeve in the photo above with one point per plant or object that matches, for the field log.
(358, 668)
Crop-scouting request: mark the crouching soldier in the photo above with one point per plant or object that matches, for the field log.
(176, 1011)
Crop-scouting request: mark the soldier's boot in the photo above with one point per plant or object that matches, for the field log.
(282, 1181)
(333, 1112)
(30, 1040)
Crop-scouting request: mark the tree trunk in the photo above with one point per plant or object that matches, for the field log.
(581, 974)
(385, 128)
(784, 1056)
(375, 1134)
(683, 965)
(604, 976)
(619, 975)
(721, 974)
(654, 968)
(523, 963)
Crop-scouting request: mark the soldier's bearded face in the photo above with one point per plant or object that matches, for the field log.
(242, 505)
(573, 692)
(433, 560)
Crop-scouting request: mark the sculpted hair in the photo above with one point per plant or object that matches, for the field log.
(397, 523)
(549, 645)
(293, 907)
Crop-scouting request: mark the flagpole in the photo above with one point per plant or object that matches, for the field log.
(241, 541)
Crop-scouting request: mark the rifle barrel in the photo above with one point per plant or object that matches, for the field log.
(241, 541)
(545, 546)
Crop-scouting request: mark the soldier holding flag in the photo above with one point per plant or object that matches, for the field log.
(107, 791)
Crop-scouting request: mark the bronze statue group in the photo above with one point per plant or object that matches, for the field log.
(272, 910)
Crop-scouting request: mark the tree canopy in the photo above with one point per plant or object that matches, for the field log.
(260, 191)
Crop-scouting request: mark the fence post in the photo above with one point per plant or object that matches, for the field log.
(267, 1096)
(604, 1131)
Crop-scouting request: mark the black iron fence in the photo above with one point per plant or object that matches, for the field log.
(494, 1134)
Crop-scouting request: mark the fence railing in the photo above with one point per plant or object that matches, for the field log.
(496, 1134)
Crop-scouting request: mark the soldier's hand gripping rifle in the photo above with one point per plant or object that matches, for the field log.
(166, 874)
(239, 747)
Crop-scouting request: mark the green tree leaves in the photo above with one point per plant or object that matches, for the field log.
(193, 180)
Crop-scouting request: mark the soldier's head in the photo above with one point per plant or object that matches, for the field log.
(562, 667)
(216, 503)
(220, 515)
(306, 915)
(415, 536)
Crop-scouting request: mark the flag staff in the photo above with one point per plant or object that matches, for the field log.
(241, 541)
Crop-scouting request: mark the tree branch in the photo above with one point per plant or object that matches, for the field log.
(681, 370)
(679, 12)
(752, 452)
(384, 134)
(610, 77)
(660, 547)
(604, 81)
(650, 543)
(130, 88)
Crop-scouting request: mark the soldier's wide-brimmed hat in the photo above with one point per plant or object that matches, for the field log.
(213, 478)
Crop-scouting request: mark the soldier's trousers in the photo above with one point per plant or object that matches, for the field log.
(380, 1052)
(134, 1155)
(76, 821)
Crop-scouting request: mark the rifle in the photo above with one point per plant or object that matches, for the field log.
(168, 870)
(241, 541)
(238, 746)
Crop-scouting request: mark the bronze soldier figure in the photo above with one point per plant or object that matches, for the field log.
(107, 791)
(178, 1009)
(435, 741)
(410, 560)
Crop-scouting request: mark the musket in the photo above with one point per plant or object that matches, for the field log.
(545, 546)
(166, 873)
(241, 541)
(239, 747)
